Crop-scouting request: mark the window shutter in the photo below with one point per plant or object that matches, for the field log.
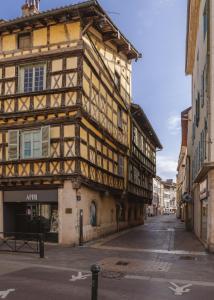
(45, 132)
(13, 144)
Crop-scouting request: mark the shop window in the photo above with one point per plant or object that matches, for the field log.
(24, 41)
(93, 214)
(32, 78)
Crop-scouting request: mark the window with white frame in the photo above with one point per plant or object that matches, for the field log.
(29, 144)
(32, 78)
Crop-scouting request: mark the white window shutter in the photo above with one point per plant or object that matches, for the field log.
(45, 133)
(13, 144)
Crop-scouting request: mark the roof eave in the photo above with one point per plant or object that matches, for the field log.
(130, 50)
(154, 135)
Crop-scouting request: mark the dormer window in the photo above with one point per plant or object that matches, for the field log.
(24, 41)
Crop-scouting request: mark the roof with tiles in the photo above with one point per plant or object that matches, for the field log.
(82, 10)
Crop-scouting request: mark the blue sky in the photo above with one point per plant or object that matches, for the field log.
(157, 28)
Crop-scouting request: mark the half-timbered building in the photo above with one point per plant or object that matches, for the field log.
(65, 94)
(76, 157)
(142, 164)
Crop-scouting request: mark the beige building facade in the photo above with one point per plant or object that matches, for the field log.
(200, 65)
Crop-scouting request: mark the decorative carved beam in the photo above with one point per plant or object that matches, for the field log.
(111, 36)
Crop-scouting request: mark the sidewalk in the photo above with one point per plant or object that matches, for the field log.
(146, 257)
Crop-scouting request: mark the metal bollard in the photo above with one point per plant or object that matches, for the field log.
(95, 269)
(41, 246)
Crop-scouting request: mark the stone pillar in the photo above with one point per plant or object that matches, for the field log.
(210, 222)
(67, 207)
(1, 212)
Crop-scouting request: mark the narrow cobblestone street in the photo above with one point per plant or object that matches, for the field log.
(156, 261)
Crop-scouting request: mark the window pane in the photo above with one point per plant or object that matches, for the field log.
(31, 144)
(39, 78)
(26, 145)
(28, 80)
(27, 149)
(36, 144)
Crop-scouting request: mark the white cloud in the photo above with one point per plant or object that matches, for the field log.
(166, 2)
(160, 5)
(174, 124)
(166, 167)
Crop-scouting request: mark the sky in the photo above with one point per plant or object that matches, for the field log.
(157, 28)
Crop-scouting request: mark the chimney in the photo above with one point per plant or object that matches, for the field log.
(30, 7)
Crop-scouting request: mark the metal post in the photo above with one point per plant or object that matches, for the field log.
(41, 246)
(81, 228)
(95, 269)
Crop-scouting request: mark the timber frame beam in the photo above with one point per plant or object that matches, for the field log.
(192, 29)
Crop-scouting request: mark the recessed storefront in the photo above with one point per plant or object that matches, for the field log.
(32, 211)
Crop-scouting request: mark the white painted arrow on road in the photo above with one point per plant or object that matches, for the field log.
(79, 276)
(4, 294)
(180, 290)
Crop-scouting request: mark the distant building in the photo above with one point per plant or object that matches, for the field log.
(184, 201)
(168, 195)
(155, 208)
(164, 197)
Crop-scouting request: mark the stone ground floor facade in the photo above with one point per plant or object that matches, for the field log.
(203, 196)
(67, 216)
